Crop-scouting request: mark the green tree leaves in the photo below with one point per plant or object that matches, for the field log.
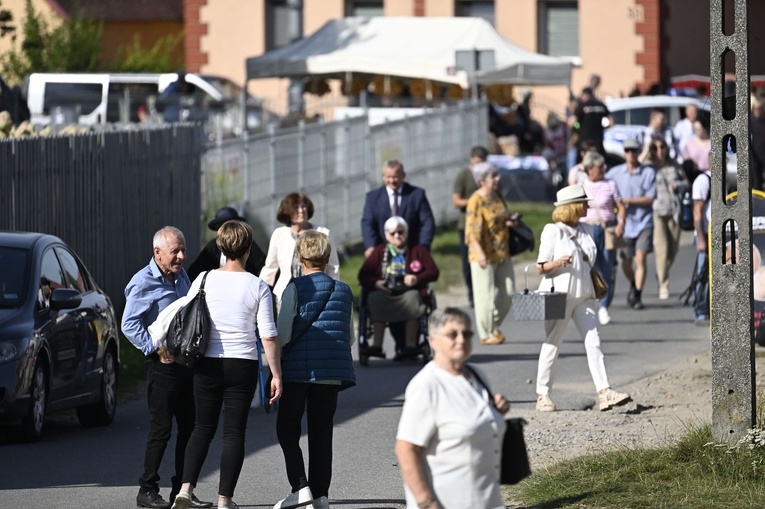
(159, 58)
(72, 46)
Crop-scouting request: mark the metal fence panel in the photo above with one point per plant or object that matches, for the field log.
(105, 194)
(336, 163)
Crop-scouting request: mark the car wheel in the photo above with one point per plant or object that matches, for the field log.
(33, 423)
(101, 413)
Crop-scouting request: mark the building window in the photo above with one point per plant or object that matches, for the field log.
(277, 24)
(365, 8)
(475, 9)
(559, 30)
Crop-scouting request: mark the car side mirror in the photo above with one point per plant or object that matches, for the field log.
(65, 298)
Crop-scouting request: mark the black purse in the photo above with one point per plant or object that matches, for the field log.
(515, 465)
(521, 238)
(189, 331)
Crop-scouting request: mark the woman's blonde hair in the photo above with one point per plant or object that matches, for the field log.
(233, 239)
(569, 213)
(313, 249)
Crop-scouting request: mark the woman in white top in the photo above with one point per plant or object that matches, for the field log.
(294, 212)
(238, 303)
(566, 254)
(451, 429)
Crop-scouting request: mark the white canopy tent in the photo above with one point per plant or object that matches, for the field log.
(407, 47)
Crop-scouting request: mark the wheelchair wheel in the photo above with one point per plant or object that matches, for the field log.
(426, 353)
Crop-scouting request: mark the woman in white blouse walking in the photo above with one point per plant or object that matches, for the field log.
(566, 254)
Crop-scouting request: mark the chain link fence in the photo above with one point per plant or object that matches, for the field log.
(337, 163)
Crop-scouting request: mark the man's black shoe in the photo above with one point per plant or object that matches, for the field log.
(195, 502)
(152, 499)
(632, 296)
(407, 354)
(638, 305)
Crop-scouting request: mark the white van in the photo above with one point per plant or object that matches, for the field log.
(100, 98)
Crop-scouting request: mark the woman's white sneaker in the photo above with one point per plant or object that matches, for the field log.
(300, 498)
(603, 317)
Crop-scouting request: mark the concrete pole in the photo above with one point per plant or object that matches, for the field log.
(733, 367)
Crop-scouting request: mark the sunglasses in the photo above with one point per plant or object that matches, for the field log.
(453, 334)
(630, 150)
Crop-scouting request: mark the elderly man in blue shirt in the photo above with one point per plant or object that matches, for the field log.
(637, 186)
(169, 385)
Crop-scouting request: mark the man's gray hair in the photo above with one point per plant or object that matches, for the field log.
(393, 164)
(439, 317)
(161, 237)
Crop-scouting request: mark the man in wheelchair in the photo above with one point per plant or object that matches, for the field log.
(394, 280)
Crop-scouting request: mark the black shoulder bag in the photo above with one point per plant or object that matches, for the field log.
(189, 331)
(521, 237)
(515, 460)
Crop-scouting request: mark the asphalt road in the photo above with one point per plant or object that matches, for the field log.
(74, 467)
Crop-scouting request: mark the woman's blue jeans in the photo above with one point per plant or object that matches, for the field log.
(605, 261)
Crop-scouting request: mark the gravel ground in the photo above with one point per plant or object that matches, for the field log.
(662, 407)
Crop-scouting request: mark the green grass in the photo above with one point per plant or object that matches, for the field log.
(693, 473)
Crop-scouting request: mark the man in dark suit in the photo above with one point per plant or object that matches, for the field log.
(210, 256)
(396, 198)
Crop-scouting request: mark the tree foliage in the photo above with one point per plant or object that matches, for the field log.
(72, 46)
(159, 58)
(6, 23)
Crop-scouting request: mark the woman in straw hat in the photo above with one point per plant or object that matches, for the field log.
(566, 254)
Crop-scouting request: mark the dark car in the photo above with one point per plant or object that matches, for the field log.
(59, 344)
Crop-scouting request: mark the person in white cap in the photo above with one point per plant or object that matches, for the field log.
(566, 254)
(637, 187)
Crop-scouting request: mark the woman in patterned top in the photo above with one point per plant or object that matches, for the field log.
(487, 221)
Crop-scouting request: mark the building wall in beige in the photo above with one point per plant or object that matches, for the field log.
(231, 36)
(608, 45)
(315, 14)
(517, 22)
(439, 8)
(399, 7)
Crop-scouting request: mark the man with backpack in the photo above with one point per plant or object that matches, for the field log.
(702, 212)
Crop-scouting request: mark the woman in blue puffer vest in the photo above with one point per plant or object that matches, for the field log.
(315, 327)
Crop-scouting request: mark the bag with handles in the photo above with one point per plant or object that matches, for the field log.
(538, 305)
(189, 331)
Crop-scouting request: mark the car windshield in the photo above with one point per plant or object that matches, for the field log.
(13, 276)
(636, 116)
